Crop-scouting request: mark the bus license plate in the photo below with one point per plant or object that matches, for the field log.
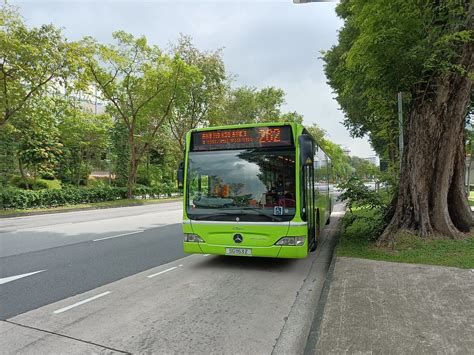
(238, 251)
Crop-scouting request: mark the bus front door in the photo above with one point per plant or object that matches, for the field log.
(310, 207)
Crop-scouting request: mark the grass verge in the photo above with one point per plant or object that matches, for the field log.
(408, 248)
(471, 198)
(87, 206)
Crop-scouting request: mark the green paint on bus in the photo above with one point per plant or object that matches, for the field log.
(257, 190)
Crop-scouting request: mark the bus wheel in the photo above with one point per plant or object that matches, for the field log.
(314, 244)
(329, 217)
(317, 232)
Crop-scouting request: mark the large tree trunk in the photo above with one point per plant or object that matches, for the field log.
(431, 199)
(23, 175)
(132, 177)
(133, 165)
(461, 215)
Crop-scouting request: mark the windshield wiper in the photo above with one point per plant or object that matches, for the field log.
(217, 214)
(239, 212)
(261, 213)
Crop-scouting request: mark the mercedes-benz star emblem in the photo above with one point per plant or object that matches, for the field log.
(238, 238)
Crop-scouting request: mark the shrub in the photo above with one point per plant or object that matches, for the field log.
(47, 176)
(28, 183)
(96, 181)
(370, 207)
(14, 198)
(53, 184)
(355, 193)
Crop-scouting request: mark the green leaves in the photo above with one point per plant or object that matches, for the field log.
(200, 90)
(23, 199)
(341, 169)
(142, 85)
(249, 105)
(153, 96)
(85, 139)
(31, 58)
(391, 46)
(356, 194)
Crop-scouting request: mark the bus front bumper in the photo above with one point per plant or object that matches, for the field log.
(275, 251)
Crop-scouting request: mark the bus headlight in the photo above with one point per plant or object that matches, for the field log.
(193, 238)
(291, 241)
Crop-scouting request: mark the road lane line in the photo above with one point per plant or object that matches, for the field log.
(16, 277)
(61, 310)
(117, 236)
(205, 254)
(33, 229)
(162, 272)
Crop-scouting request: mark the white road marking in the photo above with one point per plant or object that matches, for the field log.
(16, 277)
(61, 310)
(117, 236)
(33, 229)
(162, 272)
(205, 254)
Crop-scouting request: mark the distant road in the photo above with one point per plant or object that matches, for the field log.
(73, 252)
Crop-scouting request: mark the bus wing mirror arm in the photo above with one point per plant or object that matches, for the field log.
(306, 150)
(180, 175)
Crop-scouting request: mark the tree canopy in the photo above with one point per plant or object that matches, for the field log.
(152, 98)
(30, 59)
(201, 95)
(141, 83)
(248, 104)
(425, 50)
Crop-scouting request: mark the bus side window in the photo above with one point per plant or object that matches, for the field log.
(319, 169)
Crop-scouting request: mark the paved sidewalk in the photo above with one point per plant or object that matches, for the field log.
(377, 307)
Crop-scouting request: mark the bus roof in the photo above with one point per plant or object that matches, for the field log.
(247, 125)
(298, 126)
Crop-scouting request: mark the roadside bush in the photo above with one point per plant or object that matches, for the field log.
(356, 194)
(144, 180)
(28, 183)
(47, 176)
(13, 198)
(366, 207)
(98, 181)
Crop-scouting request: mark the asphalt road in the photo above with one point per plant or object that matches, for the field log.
(117, 281)
(79, 251)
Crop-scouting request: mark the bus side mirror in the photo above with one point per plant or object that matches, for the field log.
(180, 175)
(306, 150)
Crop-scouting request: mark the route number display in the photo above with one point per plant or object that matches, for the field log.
(253, 137)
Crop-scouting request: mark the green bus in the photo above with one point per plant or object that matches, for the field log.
(254, 190)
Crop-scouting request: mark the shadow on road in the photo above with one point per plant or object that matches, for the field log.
(246, 263)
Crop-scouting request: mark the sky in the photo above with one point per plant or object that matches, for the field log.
(265, 43)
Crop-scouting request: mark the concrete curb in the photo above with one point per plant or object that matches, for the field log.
(315, 330)
(294, 334)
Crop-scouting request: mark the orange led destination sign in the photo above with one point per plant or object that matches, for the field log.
(239, 138)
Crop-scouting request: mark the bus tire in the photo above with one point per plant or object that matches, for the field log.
(330, 210)
(317, 233)
(314, 245)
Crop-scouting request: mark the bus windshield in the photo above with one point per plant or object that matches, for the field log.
(245, 185)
